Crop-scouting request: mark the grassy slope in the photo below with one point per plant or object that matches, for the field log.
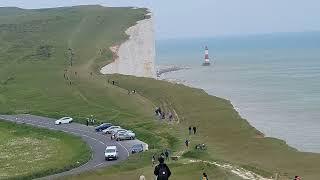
(230, 138)
(27, 152)
(32, 82)
(132, 170)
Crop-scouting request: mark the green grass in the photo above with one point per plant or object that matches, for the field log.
(131, 169)
(33, 58)
(27, 152)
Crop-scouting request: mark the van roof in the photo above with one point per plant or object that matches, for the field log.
(111, 147)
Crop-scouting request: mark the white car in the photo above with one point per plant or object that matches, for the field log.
(109, 129)
(111, 152)
(64, 120)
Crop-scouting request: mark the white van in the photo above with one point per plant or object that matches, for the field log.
(111, 153)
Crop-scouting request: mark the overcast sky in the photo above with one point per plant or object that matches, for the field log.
(208, 18)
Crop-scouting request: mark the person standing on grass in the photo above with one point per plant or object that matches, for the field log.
(204, 177)
(170, 116)
(166, 153)
(187, 143)
(194, 130)
(163, 115)
(153, 160)
(189, 130)
(162, 171)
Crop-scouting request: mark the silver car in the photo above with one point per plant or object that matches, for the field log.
(127, 135)
(109, 129)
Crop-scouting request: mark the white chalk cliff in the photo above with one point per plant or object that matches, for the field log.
(136, 56)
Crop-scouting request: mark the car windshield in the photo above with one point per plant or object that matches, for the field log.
(110, 150)
(103, 125)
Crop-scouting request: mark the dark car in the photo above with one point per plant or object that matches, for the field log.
(137, 148)
(103, 127)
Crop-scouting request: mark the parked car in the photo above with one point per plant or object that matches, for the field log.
(137, 148)
(116, 130)
(109, 129)
(126, 135)
(103, 127)
(111, 152)
(64, 120)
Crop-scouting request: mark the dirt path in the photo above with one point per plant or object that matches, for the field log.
(241, 172)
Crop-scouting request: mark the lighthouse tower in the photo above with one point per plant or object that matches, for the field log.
(206, 57)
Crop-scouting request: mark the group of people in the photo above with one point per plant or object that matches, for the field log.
(192, 130)
(90, 120)
(133, 92)
(162, 115)
(164, 154)
(162, 171)
(112, 82)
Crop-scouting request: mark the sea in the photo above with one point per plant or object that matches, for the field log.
(272, 80)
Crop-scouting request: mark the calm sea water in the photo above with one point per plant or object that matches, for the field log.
(272, 80)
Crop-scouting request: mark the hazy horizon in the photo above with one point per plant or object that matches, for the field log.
(209, 18)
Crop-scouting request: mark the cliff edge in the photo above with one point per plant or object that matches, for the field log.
(136, 56)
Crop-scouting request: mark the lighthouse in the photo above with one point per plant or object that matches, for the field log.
(206, 57)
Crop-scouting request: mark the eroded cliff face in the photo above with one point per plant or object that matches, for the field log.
(136, 56)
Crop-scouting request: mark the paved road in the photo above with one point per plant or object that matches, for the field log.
(96, 141)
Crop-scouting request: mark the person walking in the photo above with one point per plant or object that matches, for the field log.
(189, 130)
(153, 160)
(163, 115)
(142, 177)
(204, 176)
(194, 130)
(87, 122)
(162, 171)
(170, 116)
(166, 153)
(187, 143)
(297, 178)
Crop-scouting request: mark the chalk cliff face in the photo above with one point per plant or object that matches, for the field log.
(136, 56)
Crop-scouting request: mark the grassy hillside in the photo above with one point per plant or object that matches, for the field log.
(36, 77)
(35, 57)
(27, 152)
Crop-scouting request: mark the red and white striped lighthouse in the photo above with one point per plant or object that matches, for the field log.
(206, 57)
